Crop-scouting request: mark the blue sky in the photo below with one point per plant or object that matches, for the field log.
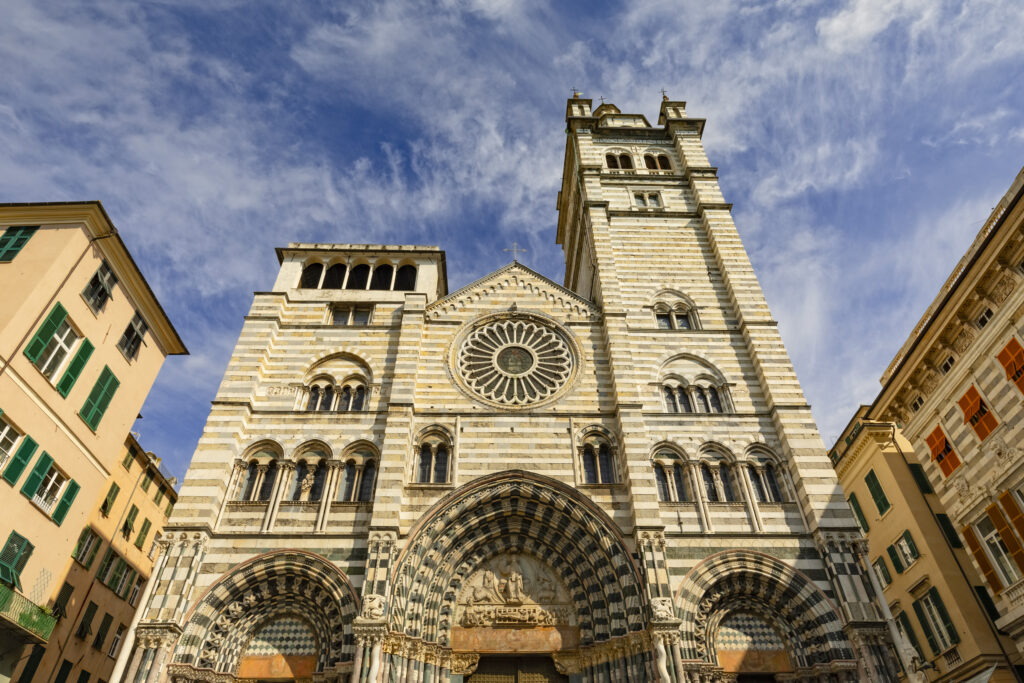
(863, 143)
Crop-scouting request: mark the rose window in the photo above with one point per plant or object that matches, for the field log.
(515, 362)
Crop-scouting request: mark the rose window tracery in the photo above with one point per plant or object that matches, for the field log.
(515, 361)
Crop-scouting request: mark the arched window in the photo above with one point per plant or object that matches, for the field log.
(710, 490)
(702, 400)
(311, 276)
(367, 482)
(326, 398)
(358, 398)
(314, 399)
(344, 399)
(605, 465)
(625, 161)
(589, 465)
(679, 478)
(316, 491)
(334, 278)
(382, 277)
(611, 160)
(650, 163)
(755, 484)
(714, 400)
(301, 470)
(670, 400)
(405, 279)
(728, 483)
(663, 163)
(675, 316)
(247, 484)
(268, 482)
(772, 480)
(441, 465)
(426, 465)
(348, 482)
(661, 479)
(358, 276)
(682, 320)
(684, 400)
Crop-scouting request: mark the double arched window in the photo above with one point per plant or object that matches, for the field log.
(257, 482)
(597, 461)
(358, 478)
(672, 476)
(695, 398)
(657, 162)
(679, 316)
(323, 396)
(619, 161)
(381, 276)
(766, 481)
(307, 483)
(433, 460)
(719, 479)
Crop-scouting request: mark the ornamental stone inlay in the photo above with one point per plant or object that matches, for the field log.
(515, 361)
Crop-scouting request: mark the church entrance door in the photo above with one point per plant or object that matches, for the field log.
(540, 669)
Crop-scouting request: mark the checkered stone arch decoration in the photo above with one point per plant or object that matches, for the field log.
(523, 512)
(747, 581)
(269, 587)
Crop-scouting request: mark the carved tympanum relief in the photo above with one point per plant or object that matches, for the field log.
(514, 590)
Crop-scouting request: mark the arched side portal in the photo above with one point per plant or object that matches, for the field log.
(516, 513)
(270, 590)
(745, 582)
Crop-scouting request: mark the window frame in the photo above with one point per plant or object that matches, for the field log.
(100, 288)
(69, 349)
(986, 539)
(882, 572)
(8, 432)
(133, 338)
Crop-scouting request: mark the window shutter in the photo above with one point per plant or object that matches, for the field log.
(926, 627)
(881, 502)
(948, 530)
(81, 539)
(108, 502)
(1013, 511)
(920, 478)
(936, 441)
(45, 333)
(897, 561)
(141, 539)
(1011, 357)
(909, 631)
(969, 403)
(59, 608)
(26, 552)
(70, 491)
(85, 627)
(950, 463)
(986, 601)
(128, 584)
(859, 513)
(105, 566)
(986, 425)
(944, 615)
(982, 559)
(129, 521)
(13, 239)
(99, 398)
(884, 568)
(64, 672)
(1006, 533)
(36, 476)
(909, 540)
(101, 632)
(70, 375)
(20, 460)
(29, 672)
(92, 553)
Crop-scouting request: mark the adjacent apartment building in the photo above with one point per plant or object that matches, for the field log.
(941, 611)
(82, 338)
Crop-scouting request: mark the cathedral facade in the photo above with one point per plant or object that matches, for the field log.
(615, 479)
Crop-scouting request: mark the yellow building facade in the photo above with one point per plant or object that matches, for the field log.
(940, 611)
(82, 338)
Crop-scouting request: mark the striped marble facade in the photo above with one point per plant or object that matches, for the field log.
(650, 580)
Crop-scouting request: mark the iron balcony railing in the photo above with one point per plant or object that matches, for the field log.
(18, 609)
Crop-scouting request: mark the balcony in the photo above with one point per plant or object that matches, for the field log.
(22, 620)
(1014, 594)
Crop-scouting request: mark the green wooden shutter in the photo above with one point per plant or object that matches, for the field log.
(99, 398)
(897, 562)
(859, 513)
(70, 491)
(909, 631)
(926, 626)
(129, 521)
(83, 676)
(108, 502)
(20, 460)
(104, 565)
(13, 239)
(921, 479)
(142, 534)
(881, 502)
(92, 553)
(101, 632)
(880, 563)
(85, 626)
(949, 531)
(59, 608)
(29, 672)
(35, 477)
(81, 539)
(13, 558)
(128, 583)
(65, 671)
(75, 367)
(910, 544)
(45, 332)
(986, 601)
(944, 615)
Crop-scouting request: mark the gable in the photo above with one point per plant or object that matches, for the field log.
(514, 284)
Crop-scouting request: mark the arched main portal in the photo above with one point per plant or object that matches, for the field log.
(284, 614)
(747, 612)
(518, 547)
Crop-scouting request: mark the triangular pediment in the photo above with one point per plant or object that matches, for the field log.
(515, 284)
